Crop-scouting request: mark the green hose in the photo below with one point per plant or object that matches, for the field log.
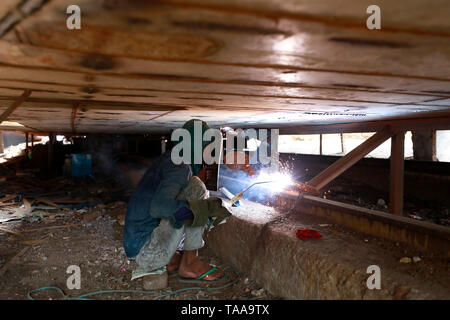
(84, 296)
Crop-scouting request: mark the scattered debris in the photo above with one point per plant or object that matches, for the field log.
(416, 259)
(401, 292)
(381, 203)
(11, 261)
(257, 293)
(33, 242)
(405, 260)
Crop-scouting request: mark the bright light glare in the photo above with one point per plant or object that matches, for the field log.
(277, 181)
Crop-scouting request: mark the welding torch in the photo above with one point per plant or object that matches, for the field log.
(303, 187)
(239, 195)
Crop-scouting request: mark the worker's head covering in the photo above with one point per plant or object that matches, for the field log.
(189, 126)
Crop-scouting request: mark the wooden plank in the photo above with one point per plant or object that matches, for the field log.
(239, 46)
(138, 121)
(341, 165)
(214, 92)
(69, 225)
(436, 120)
(325, 13)
(166, 101)
(292, 76)
(397, 173)
(9, 231)
(49, 202)
(14, 105)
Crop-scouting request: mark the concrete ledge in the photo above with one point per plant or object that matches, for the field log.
(333, 267)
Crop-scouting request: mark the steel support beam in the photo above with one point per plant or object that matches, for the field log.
(337, 168)
(397, 173)
(51, 143)
(27, 139)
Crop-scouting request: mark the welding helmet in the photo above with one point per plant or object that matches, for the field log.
(189, 126)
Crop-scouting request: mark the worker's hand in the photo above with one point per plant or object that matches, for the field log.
(204, 209)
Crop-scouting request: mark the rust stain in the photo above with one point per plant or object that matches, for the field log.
(215, 26)
(138, 21)
(162, 115)
(112, 41)
(370, 42)
(98, 62)
(90, 90)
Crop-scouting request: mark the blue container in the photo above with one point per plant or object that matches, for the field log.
(81, 165)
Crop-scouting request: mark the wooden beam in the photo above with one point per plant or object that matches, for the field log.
(321, 144)
(14, 105)
(2, 146)
(22, 10)
(73, 117)
(51, 142)
(27, 139)
(337, 168)
(397, 174)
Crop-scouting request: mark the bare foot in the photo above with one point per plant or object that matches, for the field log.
(175, 262)
(192, 267)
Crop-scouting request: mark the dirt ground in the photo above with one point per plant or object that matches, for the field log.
(40, 258)
(48, 225)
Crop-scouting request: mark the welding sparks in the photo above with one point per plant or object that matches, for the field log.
(276, 181)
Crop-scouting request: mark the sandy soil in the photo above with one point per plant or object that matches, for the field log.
(95, 246)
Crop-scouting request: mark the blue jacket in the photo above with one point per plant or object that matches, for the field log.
(154, 199)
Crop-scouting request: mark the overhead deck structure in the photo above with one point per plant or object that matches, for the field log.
(140, 66)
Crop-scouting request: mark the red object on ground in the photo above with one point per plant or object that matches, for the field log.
(308, 233)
